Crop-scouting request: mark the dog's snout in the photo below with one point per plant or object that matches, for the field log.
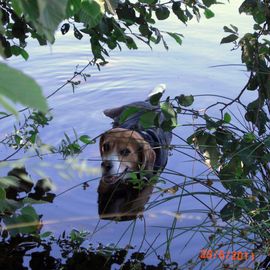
(106, 165)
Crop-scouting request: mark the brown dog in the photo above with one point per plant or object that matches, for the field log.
(129, 151)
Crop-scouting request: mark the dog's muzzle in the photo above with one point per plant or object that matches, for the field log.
(112, 179)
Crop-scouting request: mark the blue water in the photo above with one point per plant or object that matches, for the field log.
(128, 77)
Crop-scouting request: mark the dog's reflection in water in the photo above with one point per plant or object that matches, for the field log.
(128, 151)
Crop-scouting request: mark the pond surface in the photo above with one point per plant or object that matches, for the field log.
(128, 77)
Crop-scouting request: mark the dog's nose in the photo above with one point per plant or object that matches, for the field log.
(106, 165)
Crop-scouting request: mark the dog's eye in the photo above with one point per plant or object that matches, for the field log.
(106, 147)
(125, 152)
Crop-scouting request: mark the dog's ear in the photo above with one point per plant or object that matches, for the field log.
(148, 157)
(114, 112)
(101, 140)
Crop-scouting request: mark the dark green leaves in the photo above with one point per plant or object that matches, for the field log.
(147, 119)
(73, 7)
(254, 8)
(247, 6)
(185, 100)
(170, 121)
(16, 50)
(233, 29)
(176, 7)
(228, 39)
(233, 36)
(26, 222)
(45, 15)
(207, 145)
(162, 13)
(229, 211)
(77, 34)
(176, 37)
(230, 175)
(127, 113)
(147, 1)
(256, 114)
(208, 3)
(65, 28)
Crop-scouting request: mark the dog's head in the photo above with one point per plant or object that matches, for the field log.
(124, 151)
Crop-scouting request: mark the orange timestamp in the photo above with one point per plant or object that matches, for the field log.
(226, 255)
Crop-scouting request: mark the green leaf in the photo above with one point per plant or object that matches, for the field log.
(167, 110)
(176, 7)
(162, 13)
(247, 6)
(16, 6)
(176, 37)
(230, 211)
(229, 39)
(91, 12)
(231, 175)
(86, 139)
(29, 210)
(22, 224)
(18, 87)
(147, 119)
(209, 13)
(228, 30)
(19, 51)
(127, 113)
(147, 1)
(73, 6)
(208, 3)
(249, 137)
(259, 16)
(51, 13)
(227, 118)
(144, 30)
(245, 204)
(45, 234)
(2, 194)
(156, 94)
(234, 28)
(44, 15)
(169, 125)
(185, 100)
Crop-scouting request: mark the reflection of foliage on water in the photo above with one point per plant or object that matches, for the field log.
(40, 250)
(17, 212)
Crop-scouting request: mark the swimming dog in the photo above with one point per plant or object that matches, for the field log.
(129, 151)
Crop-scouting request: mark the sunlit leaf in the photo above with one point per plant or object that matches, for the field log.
(208, 13)
(227, 118)
(85, 139)
(91, 12)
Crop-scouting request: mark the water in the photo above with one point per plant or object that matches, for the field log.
(128, 77)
